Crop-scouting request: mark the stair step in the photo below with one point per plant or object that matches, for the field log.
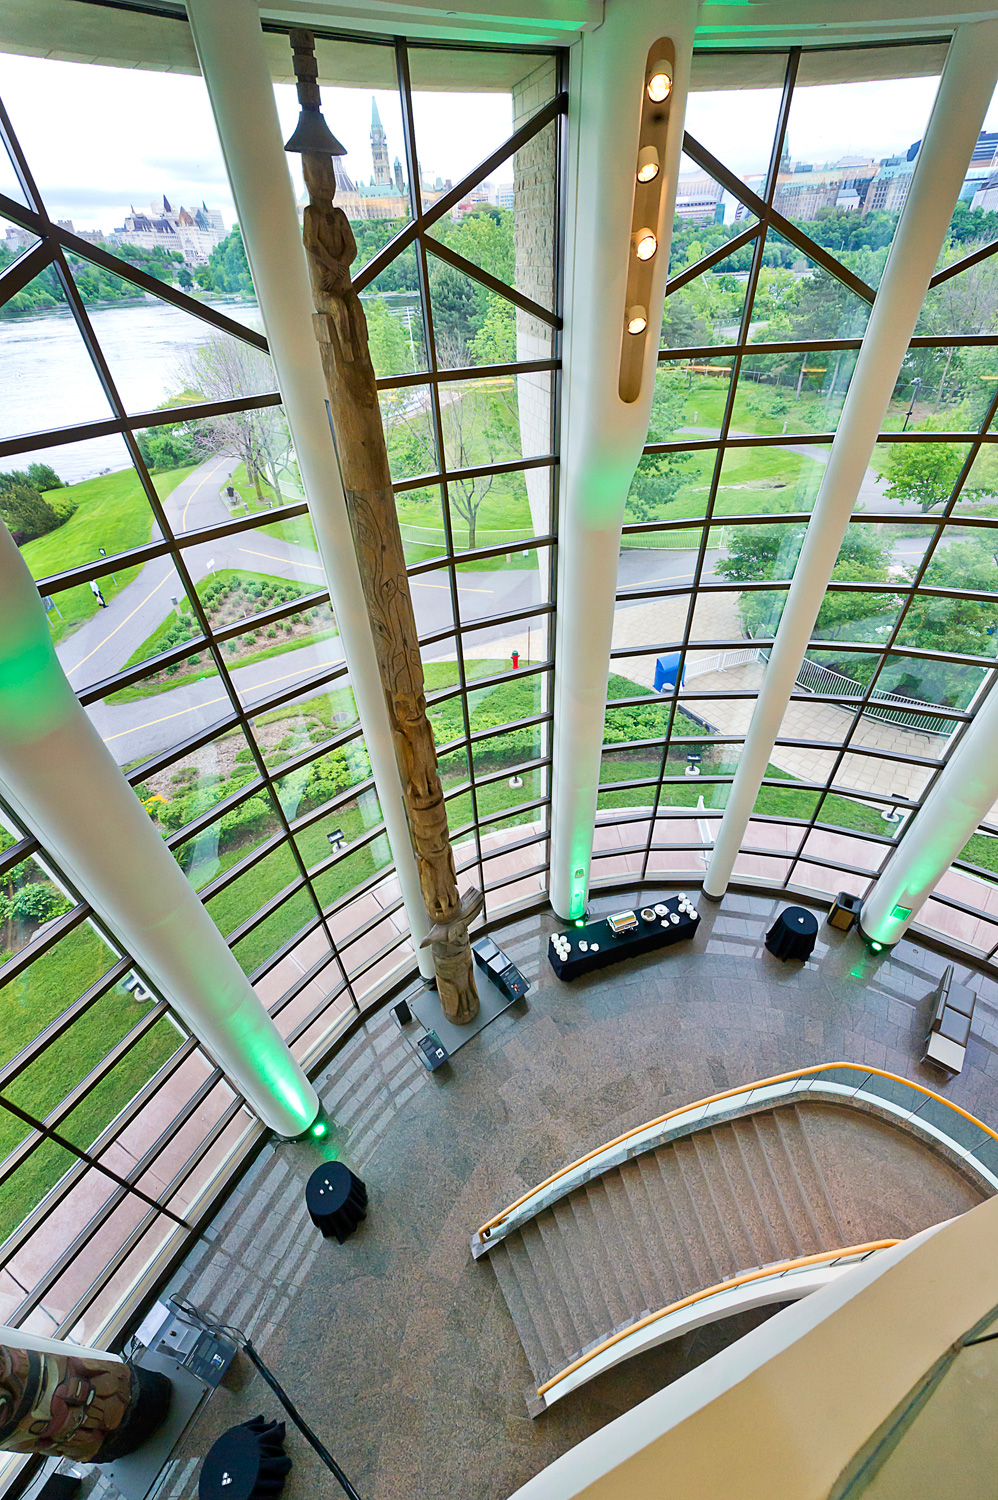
(552, 1289)
(556, 1357)
(618, 1250)
(726, 1197)
(589, 1332)
(586, 1274)
(782, 1226)
(650, 1287)
(781, 1165)
(662, 1248)
(746, 1190)
(794, 1131)
(677, 1213)
(604, 1270)
(509, 1285)
(711, 1224)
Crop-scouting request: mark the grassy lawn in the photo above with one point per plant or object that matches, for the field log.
(228, 595)
(112, 512)
(30, 1002)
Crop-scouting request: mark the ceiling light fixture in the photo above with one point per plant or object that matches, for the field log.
(648, 164)
(660, 81)
(637, 319)
(645, 243)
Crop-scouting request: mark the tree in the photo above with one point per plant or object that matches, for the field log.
(391, 353)
(495, 341)
(44, 477)
(923, 473)
(185, 278)
(954, 625)
(228, 266)
(481, 428)
(660, 476)
(24, 511)
(224, 369)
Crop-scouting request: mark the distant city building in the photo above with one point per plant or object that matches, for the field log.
(386, 196)
(699, 199)
(804, 190)
(889, 189)
(18, 239)
(504, 195)
(66, 224)
(193, 233)
(987, 196)
(983, 164)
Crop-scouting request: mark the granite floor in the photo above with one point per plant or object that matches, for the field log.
(397, 1346)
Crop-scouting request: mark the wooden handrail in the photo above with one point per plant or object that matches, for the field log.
(744, 1088)
(777, 1269)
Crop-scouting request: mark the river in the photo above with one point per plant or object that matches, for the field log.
(47, 379)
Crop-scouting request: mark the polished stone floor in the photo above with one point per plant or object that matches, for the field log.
(397, 1346)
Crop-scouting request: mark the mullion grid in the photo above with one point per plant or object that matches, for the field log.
(736, 352)
(53, 245)
(793, 60)
(940, 522)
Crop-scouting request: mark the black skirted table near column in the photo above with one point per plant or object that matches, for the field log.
(596, 944)
(246, 1463)
(336, 1200)
(793, 934)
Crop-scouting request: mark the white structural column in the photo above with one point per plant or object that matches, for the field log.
(602, 436)
(233, 60)
(964, 94)
(962, 794)
(60, 777)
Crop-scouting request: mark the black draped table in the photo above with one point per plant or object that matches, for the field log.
(336, 1200)
(246, 1463)
(793, 934)
(594, 945)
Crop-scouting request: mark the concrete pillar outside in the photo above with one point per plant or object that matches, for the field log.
(62, 780)
(233, 60)
(962, 795)
(965, 91)
(602, 436)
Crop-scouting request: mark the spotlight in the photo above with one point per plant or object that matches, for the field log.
(580, 921)
(319, 1129)
(877, 947)
(637, 319)
(645, 243)
(647, 164)
(660, 82)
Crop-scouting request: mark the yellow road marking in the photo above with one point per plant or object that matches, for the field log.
(178, 715)
(315, 567)
(183, 519)
(418, 583)
(125, 621)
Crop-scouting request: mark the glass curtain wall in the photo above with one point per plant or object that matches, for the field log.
(151, 485)
(776, 257)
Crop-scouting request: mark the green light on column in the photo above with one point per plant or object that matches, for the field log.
(319, 1129)
(876, 947)
(580, 921)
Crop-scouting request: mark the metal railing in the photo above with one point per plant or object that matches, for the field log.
(853, 1254)
(912, 713)
(720, 661)
(910, 1104)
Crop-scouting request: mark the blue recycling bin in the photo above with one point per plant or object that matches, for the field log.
(667, 671)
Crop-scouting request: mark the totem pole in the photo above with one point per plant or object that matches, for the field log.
(76, 1405)
(341, 331)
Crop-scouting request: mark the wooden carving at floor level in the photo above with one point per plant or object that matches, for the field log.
(341, 331)
(76, 1405)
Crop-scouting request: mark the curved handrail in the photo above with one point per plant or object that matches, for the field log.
(744, 1088)
(779, 1268)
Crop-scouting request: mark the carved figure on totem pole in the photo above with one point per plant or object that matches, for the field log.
(76, 1405)
(341, 331)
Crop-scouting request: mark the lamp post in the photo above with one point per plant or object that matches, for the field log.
(341, 331)
(915, 387)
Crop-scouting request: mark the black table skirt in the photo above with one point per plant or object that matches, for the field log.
(336, 1200)
(793, 933)
(614, 947)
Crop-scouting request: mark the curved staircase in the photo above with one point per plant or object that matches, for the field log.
(775, 1183)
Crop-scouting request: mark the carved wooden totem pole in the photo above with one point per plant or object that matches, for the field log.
(76, 1405)
(341, 331)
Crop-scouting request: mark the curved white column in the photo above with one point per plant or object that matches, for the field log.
(963, 793)
(965, 92)
(230, 49)
(602, 436)
(61, 778)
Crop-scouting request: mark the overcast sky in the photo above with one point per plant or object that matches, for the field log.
(100, 139)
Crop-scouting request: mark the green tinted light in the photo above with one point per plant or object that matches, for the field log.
(319, 1129)
(877, 947)
(580, 921)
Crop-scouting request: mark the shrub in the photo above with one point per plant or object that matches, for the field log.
(249, 818)
(24, 510)
(37, 902)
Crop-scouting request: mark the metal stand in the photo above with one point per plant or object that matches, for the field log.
(428, 1011)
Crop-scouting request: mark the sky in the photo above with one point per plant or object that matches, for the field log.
(99, 139)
